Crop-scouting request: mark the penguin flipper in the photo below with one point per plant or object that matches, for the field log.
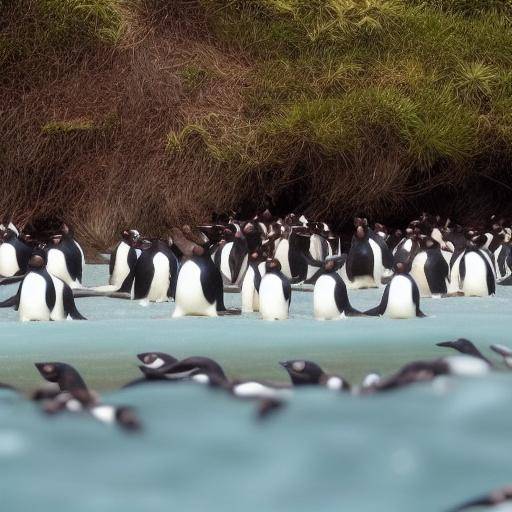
(144, 273)
(14, 301)
(381, 308)
(69, 304)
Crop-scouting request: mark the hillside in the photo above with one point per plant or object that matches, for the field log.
(152, 112)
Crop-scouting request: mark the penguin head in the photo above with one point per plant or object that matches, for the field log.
(333, 263)
(38, 259)
(127, 419)
(303, 372)
(156, 359)
(400, 268)
(67, 378)
(130, 236)
(49, 371)
(272, 265)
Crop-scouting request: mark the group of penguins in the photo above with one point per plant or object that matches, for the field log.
(264, 257)
(69, 392)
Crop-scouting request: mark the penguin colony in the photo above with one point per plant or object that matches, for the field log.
(264, 258)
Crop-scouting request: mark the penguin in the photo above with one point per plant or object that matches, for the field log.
(504, 352)
(308, 373)
(155, 360)
(67, 378)
(291, 249)
(7, 224)
(330, 298)
(430, 269)
(155, 273)
(14, 253)
(275, 292)
(465, 347)
(65, 258)
(364, 267)
(426, 371)
(477, 277)
(41, 296)
(231, 258)
(123, 261)
(407, 249)
(499, 499)
(251, 282)
(401, 298)
(199, 289)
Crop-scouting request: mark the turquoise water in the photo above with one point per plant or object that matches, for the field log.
(421, 449)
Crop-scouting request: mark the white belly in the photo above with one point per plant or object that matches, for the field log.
(281, 254)
(454, 284)
(273, 305)
(121, 268)
(8, 262)
(418, 274)
(33, 299)
(190, 298)
(224, 263)
(57, 312)
(400, 303)
(324, 305)
(377, 262)
(248, 291)
(475, 280)
(57, 266)
(161, 279)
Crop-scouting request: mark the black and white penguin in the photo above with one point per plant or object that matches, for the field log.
(291, 249)
(407, 249)
(14, 253)
(499, 500)
(7, 224)
(156, 272)
(65, 258)
(275, 292)
(66, 377)
(252, 280)
(430, 269)
(42, 296)
(401, 298)
(199, 289)
(231, 257)
(308, 373)
(330, 298)
(155, 360)
(364, 267)
(466, 347)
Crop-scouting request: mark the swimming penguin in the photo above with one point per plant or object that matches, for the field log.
(465, 347)
(41, 296)
(199, 289)
(156, 272)
(401, 298)
(14, 254)
(330, 298)
(65, 258)
(430, 269)
(308, 373)
(495, 499)
(364, 267)
(231, 257)
(252, 280)
(425, 371)
(155, 360)
(67, 378)
(275, 292)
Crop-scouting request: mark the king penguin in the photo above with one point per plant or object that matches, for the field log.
(401, 298)
(275, 292)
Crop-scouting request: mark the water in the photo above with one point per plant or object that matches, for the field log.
(423, 449)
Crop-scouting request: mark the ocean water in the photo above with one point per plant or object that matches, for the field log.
(421, 449)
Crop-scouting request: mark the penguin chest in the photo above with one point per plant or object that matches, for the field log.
(33, 299)
(282, 254)
(273, 305)
(8, 260)
(161, 279)
(400, 302)
(57, 266)
(121, 267)
(324, 303)
(190, 298)
(475, 280)
(58, 312)
(224, 263)
(418, 274)
(248, 291)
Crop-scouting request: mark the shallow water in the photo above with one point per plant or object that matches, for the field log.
(422, 449)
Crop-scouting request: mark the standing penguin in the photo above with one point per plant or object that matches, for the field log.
(477, 276)
(330, 298)
(199, 290)
(401, 298)
(252, 281)
(156, 272)
(430, 270)
(231, 257)
(66, 258)
(14, 254)
(42, 296)
(275, 292)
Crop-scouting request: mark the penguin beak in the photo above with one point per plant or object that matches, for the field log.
(445, 344)
(284, 364)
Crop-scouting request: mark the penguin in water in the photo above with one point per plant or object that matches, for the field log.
(430, 269)
(199, 289)
(14, 253)
(401, 298)
(156, 272)
(42, 296)
(252, 281)
(499, 500)
(330, 298)
(65, 258)
(466, 347)
(155, 360)
(308, 373)
(364, 267)
(275, 292)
